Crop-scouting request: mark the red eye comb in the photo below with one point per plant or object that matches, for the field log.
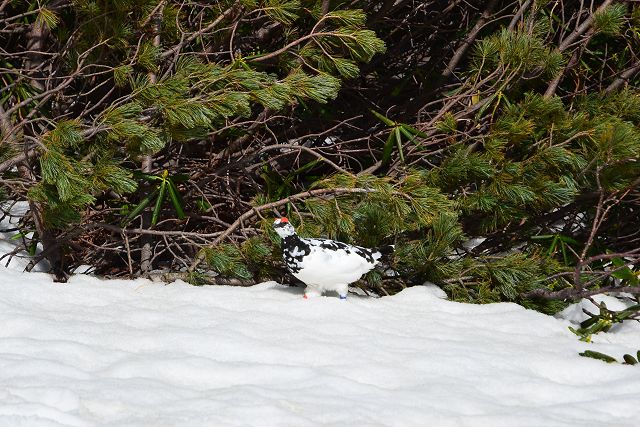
(284, 219)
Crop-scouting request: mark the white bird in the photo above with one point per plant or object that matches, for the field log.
(323, 264)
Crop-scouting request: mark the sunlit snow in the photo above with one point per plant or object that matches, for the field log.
(136, 353)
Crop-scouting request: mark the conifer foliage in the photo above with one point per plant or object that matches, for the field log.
(496, 144)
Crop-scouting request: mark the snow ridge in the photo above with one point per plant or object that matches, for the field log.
(135, 353)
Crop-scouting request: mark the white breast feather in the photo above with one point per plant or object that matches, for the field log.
(328, 269)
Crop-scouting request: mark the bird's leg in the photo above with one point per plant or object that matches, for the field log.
(311, 291)
(343, 290)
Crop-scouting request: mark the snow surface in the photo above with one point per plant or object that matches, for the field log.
(9, 228)
(137, 353)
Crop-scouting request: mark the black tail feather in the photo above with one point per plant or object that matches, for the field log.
(386, 251)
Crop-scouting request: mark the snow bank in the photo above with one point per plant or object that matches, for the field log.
(10, 215)
(136, 353)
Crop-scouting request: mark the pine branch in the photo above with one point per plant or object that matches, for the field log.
(4, 4)
(146, 231)
(257, 209)
(202, 279)
(471, 37)
(175, 49)
(624, 77)
(523, 7)
(147, 160)
(583, 28)
(553, 85)
(574, 294)
(325, 7)
(8, 135)
(298, 41)
(238, 143)
(579, 290)
(306, 150)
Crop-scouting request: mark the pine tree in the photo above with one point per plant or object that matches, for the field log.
(136, 88)
(181, 129)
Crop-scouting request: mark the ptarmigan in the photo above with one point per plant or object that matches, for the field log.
(325, 265)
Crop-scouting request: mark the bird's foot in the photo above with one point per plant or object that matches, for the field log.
(343, 297)
(311, 292)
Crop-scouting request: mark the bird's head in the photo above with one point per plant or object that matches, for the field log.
(283, 227)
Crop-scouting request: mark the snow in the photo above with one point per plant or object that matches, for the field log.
(135, 353)
(94, 352)
(576, 314)
(10, 215)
